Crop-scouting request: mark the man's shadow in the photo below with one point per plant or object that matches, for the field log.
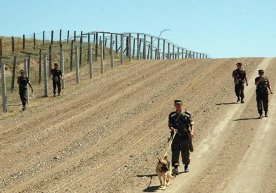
(230, 103)
(246, 119)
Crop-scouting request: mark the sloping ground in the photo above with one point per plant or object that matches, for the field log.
(105, 135)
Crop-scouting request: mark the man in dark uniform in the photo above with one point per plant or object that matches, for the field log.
(181, 122)
(262, 87)
(57, 76)
(240, 78)
(23, 83)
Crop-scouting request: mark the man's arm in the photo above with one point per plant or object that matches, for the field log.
(30, 86)
(258, 80)
(268, 86)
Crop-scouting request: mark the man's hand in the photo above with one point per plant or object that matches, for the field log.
(271, 92)
(246, 84)
(173, 130)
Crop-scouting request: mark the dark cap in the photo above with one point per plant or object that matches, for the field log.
(239, 63)
(178, 101)
(261, 71)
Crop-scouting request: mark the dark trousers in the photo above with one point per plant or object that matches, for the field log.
(239, 90)
(262, 102)
(182, 146)
(55, 85)
(23, 97)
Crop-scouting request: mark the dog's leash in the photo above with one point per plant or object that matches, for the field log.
(170, 144)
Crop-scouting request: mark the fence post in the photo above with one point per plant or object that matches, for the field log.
(68, 35)
(111, 50)
(71, 55)
(52, 37)
(178, 53)
(138, 46)
(50, 59)
(23, 41)
(169, 54)
(60, 36)
(102, 56)
(80, 49)
(43, 38)
(182, 52)
(129, 46)
(1, 48)
(96, 46)
(34, 41)
(77, 65)
(12, 44)
(75, 34)
(45, 70)
(62, 67)
(122, 47)
(90, 55)
(145, 48)
(26, 69)
(173, 54)
(88, 46)
(4, 87)
(116, 43)
(13, 73)
(39, 66)
(133, 53)
(151, 46)
(164, 48)
(103, 45)
(158, 49)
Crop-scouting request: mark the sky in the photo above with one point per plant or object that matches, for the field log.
(220, 28)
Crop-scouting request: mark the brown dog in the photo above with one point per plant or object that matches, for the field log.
(164, 171)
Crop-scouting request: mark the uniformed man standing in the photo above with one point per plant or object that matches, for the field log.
(23, 83)
(181, 122)
(57, 76)
(240, 78)
(262, 87)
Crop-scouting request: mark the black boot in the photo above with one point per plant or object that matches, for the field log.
(266, 114)
(186, 168)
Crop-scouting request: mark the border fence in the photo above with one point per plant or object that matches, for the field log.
(77, 53)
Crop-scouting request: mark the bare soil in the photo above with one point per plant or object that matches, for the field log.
(104, 135)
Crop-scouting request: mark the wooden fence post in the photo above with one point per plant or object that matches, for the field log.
(178, 53)
(77, 65)
(62, 66)
(129, 46)
(90, 55)
(43, 38)
(75, 36)
(103, 45)
(4, 87)
(71, 55)
(1, 49)
(60, 36)
(145, 48)
(182, 52)
(40, 67)
(122, 47)
(96, 46)
(34, 41)
(68, 36)
(23, 41)
(50, 59)
(133, 52)
(116, 43)
(151, 47)
(81, 49)
(138, 46)
(13, 73)
(169, 54)
(111, 51)
(52, 37)
(102, 56)
(13, 45)
(173, 54)
(158, 49)
(45, 70)
(164, 49)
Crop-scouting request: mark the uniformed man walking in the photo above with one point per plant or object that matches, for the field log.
(262, 87)
(23, 83)
(181, 123)
(240, 78)
(57, 77)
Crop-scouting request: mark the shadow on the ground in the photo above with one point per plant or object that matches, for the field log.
(246, 119)
(230, 103)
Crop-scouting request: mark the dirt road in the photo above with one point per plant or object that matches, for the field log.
(105, 135)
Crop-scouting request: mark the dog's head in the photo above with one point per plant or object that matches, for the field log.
(163, 164)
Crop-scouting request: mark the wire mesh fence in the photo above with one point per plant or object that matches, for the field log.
(81, 56)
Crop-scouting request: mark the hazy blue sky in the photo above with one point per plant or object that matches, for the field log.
(221, 28)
